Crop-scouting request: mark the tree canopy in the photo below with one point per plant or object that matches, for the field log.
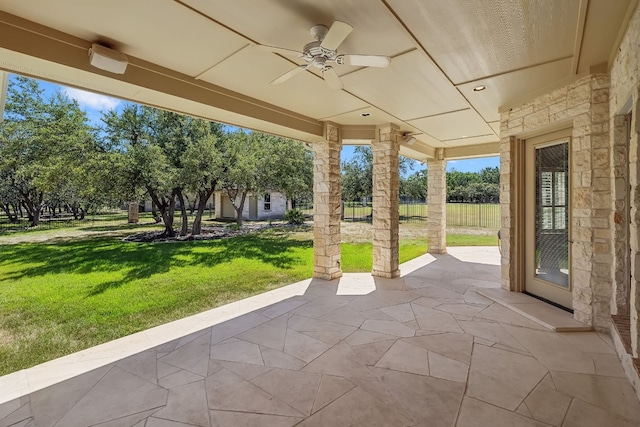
(46, 148)
(474, 187)
(51, 156)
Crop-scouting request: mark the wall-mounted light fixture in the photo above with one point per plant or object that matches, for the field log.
(107, 59)
(408, 139)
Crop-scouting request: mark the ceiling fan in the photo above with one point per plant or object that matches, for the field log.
(323, 51)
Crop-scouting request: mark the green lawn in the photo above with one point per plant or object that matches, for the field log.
(58, 298)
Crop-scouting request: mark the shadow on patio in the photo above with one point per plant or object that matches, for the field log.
(425, 349)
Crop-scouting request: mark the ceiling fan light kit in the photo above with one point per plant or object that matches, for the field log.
(322, 53)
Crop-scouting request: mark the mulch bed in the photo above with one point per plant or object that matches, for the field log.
(208, 233)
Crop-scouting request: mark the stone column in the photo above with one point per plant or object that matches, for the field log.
(386, 202)
(326, 205)
(134, 213)
(437, 203)
(509, 165)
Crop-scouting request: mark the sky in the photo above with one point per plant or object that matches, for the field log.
(93, 104)
(465, 165)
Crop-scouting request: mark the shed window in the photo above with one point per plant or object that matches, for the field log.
(267, 202)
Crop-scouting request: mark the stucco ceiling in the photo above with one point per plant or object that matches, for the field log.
(199, 57)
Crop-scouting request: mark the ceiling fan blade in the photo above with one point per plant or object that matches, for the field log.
(332, 79)
(280, 50)
(366, 60)
(336, 35)
(286, 76)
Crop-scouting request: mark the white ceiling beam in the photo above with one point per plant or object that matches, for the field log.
(357, 134)
(471, 151)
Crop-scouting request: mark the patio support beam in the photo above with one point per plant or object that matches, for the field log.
(436, 203)
(386, 202)
(326, 204)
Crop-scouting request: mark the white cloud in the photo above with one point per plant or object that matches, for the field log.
(91, 100)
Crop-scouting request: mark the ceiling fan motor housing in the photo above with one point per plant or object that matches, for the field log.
(313, 52)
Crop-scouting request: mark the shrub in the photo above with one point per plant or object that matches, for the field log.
(294, 216)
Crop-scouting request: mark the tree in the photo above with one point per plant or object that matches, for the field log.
(357, 173)
(490, 175)
(475, 187)
(9, 195)
(255, 162)
(146, 168)
(241, 155)
(415, 185)
(168, 156)
(42, 142)
(287, 168)
(202, 170)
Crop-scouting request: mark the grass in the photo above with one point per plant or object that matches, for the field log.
(358, 257)
(471, 240)
(66, 294)
(59, 298)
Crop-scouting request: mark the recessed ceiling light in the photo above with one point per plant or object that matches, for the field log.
(365, 114)
(479, 88)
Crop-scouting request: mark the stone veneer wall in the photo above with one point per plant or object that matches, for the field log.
(625, 87)
(326, 205)
(436, 200)
(386, 203)
(584, 106)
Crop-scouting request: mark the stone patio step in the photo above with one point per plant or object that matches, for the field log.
(544, 314)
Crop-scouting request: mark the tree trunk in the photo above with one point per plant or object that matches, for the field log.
(183, 211)
(154, 212)
(166, 206)
(36, 215)
(203, 198)
(75, 211)
(240, 208)
(10, 217)
(29, 206)
(167, 210)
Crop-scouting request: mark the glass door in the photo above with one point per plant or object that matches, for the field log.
(547, 219)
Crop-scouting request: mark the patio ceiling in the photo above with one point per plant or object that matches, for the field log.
(199, 57)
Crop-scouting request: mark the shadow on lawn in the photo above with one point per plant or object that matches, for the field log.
(143, 260)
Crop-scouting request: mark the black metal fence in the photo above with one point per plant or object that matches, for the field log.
(48, 221)
(477, 215)
(480, 215)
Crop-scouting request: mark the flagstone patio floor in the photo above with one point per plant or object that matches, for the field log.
(421, 350)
